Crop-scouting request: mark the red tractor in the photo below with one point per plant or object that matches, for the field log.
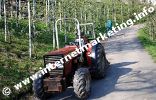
(90, 61)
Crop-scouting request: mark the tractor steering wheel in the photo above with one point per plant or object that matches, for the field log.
(76, 42)
(72, 43)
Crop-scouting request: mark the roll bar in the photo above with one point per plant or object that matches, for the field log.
(77, 26)
(92, 24)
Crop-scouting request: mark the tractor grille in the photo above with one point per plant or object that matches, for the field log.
(52, 60)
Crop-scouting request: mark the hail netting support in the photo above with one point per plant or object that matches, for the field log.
(52, 18)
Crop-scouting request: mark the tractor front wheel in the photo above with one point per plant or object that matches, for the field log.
(81, 83)
(38, 88)
(101, 62)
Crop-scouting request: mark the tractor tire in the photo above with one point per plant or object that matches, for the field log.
(81, 83)
(38, 88)
(101, 63)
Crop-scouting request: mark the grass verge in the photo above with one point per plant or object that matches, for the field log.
(149, 45)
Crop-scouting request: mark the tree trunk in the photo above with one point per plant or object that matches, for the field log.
(33, 18)
(17, 13)
(0, 9)
(85, 22)
(19, 7)
(60, 15)
(65, 24)
(34, 8)
(29, 17)
(53, 14)
(5, 21)
(46, 12)
(113, 11)
(108, 12)
(128, 11)
(11, 10)
(121, 12)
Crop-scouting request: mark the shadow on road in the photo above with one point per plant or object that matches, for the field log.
(117, 46)
(102, 87)
(105, 86)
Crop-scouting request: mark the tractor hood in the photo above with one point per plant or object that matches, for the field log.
(63, 51)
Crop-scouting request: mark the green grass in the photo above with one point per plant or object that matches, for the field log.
(148, 44)
(15, 64)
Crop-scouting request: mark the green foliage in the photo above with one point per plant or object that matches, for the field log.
(149, 44)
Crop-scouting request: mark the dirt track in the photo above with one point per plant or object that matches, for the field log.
(132, 75)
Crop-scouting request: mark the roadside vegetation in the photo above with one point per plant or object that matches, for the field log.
(147, 35)
(147, 42)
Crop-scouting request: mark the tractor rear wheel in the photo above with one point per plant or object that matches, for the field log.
(81, 83)
(38, 88)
